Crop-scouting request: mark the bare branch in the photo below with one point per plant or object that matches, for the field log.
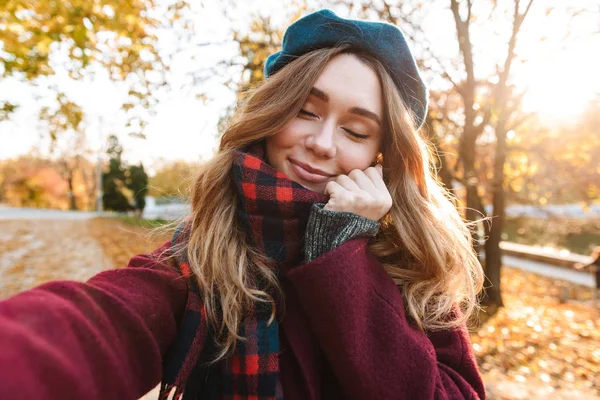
(464, 43)
(487, 116)
(469, 9)
(387, 15)
(527, 9)
(518, 19)
(519, 122)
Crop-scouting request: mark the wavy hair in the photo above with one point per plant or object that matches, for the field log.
(424, 245)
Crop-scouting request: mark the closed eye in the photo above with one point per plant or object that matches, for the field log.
(356, 135)
(307, 113)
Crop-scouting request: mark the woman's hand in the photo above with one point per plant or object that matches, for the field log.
(360, 192)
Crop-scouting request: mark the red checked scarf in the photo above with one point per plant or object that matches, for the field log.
(274, 210)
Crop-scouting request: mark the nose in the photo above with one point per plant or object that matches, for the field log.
(322, 141)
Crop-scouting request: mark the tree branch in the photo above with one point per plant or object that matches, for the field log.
(519, 122)
(469, 9)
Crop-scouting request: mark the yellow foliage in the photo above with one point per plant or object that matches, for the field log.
(91, 32)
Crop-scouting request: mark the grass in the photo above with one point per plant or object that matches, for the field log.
(141, 222)
(123, 237)
(577, 235)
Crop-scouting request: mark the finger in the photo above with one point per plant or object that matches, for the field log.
(363, 181)
(336, 193)
(377, 179)
(333, 188)
(347, 183)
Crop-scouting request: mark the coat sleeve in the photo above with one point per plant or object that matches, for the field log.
(357, 313)
(103, 339)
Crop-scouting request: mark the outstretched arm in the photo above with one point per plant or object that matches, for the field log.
(103, 339)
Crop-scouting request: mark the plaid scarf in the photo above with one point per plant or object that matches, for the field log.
(274, 211)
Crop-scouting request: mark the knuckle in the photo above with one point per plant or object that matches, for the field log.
(359, 202)
(388, 204)
(364, 199)
(354, 173)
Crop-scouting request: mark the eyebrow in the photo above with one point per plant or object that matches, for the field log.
(318, 93)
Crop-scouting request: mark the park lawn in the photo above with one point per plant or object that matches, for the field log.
(123, 237)
(533, 347)
(141, 222)
(578, 235)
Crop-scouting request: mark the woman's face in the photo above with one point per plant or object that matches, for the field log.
(337, 130)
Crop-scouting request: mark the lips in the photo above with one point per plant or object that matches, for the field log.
(309, 174)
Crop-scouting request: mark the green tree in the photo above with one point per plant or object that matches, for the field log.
(114, 181)
(138, 184)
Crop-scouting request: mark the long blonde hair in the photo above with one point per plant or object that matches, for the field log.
(424, 245)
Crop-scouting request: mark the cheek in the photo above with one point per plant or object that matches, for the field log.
(352, 157)
(291, 135)
(277, 145)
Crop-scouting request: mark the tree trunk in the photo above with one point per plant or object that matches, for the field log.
(72, 203)
(493, 253)
(444, 172)
(474, 209)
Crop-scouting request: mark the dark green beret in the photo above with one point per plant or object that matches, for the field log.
(384, 41)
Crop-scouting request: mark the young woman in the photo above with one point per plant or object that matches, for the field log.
(321, 260)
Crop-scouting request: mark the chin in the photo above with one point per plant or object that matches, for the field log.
(315, 187)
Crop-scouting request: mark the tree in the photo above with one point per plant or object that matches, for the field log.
(476, 120)
(262, 40)
(29, 181)
(32, 182)
(70, 154)
(173, 179)
(489, 108)
(118, 36)
(138, 184)
(114, 181)
(125, 188)
(256, 44)
(555, 164)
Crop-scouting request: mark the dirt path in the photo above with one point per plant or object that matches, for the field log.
(33, 252)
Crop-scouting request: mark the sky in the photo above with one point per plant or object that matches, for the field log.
(559, 82)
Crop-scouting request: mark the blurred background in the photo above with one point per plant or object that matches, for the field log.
(107, 108)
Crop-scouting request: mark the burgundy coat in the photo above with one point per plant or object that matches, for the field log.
(344, 334)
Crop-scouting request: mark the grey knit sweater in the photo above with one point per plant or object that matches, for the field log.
(326, 230)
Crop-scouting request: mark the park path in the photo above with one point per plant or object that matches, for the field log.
(35, 251)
